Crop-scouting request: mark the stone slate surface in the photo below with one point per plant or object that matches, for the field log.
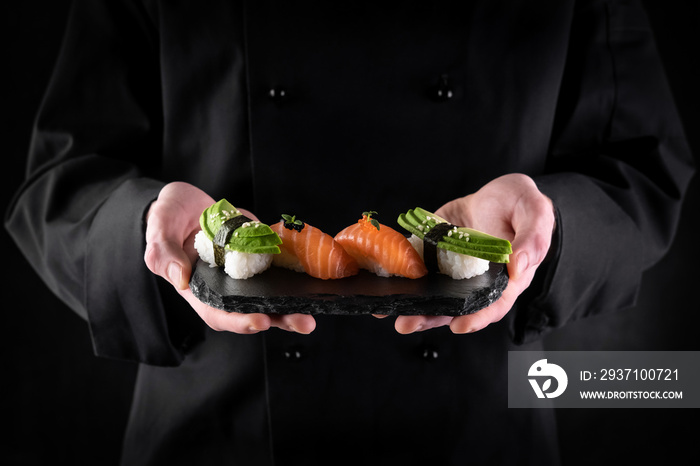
(282, 291)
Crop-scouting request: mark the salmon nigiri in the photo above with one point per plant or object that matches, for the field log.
(381, 249)
(307, 249)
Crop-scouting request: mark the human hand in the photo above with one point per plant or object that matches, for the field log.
(172, 222)
(509, 207)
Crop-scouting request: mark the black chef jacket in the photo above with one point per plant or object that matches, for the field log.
(326, 109)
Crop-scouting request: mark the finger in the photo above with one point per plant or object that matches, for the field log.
(497, 310)
(241, 323)
(168, 260)
(221, 320)
(481, 319)
(299, 323)
(411, 324)
(165, 253)
(533, 223)
(189, 248)
(380, 316)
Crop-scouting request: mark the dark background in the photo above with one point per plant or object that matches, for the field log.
(61, 405)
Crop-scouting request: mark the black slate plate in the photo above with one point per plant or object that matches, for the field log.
(282, 291)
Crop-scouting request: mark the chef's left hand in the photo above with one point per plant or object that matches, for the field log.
(510, 207)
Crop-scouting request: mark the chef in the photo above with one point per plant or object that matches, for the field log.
(549, 123)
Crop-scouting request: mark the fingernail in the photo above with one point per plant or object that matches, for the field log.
(465, 330)
(459, 328)
(174, 274)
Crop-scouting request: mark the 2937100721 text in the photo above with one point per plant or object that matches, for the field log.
(604, 379)
(631, 374)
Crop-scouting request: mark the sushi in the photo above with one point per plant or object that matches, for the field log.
(228, 238)
(381, 249)
(459, 252)
(307, 249)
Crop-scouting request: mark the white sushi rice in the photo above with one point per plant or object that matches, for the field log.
(239, 265)
(242, 265)
(375, 268)
(205, 248)
(457, 266)
(287, 260)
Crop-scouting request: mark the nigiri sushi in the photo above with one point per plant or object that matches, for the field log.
(228, 238)
(381, 249)
(459, 252)
(307, 249)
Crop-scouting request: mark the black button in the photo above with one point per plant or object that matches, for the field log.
(277, 94)
(294, 354)
(442, 92)
(430, 354)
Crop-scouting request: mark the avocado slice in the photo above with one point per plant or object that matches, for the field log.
(461, 240)
(249, 236)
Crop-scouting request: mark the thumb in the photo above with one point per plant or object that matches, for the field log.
(533, 235)
(168, 260)
(171, 222)
(519, 263)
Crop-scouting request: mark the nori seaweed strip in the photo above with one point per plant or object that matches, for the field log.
(223, 234)
(430, 241)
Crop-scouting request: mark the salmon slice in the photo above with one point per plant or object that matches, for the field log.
(314, 252)
(382, 250)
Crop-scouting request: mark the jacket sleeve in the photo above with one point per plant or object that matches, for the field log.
(618, 165)
(94, 157)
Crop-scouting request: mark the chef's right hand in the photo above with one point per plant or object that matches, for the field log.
(172, 222)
